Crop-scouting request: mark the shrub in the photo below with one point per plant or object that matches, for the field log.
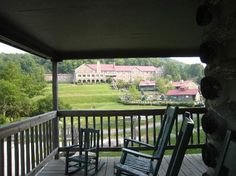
(3, 120)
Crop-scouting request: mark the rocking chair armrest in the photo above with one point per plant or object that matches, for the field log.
(67, 148)
(135, 153)
(91, 149)
(139, 142)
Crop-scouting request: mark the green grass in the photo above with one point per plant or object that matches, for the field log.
(102, 97)
(92, 96)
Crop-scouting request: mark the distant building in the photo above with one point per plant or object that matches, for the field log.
(184, 91)
(146, 85)
(93, 73)
(185, 84)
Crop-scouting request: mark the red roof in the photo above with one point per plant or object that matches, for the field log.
(124, 68)
(182, 92)
(147, 83)
(181, 83)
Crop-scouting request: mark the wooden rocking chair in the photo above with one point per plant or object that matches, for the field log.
(136, 163)
(88, 157)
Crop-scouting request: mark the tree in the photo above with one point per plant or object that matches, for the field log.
(172, 71)
(18, 84)
(134, 93)
(163, 85)
(196, 71)
(45, 105)
(13, 103)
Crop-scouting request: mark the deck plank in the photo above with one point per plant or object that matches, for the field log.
(192, 165)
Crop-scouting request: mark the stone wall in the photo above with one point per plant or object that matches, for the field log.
(62, 78)
(218, 51)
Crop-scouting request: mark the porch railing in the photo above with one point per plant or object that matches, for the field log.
(114, 126)
(27, 145)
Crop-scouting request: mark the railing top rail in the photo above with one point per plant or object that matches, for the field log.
(123, 112)
(16, 127)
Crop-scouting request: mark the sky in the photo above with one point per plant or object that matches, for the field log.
(187, 60)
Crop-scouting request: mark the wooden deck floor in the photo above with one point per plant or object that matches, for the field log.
(191, 166)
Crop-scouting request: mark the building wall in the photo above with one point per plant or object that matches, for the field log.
(185, 98)
(86, 74)
(62, 78)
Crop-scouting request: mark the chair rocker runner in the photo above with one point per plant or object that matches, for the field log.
(88, 157)
(139, 163)
(175, 162)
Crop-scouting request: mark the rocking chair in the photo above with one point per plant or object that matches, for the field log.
(142, 164)
(136, 163)
(88, 148)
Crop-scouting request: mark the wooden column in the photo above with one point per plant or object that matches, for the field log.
(55, 105)
(54, 85)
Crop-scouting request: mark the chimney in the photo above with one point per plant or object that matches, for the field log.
(98, 67)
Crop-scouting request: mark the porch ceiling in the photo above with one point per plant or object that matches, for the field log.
(62, 29)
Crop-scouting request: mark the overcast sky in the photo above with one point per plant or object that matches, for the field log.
(188, 60)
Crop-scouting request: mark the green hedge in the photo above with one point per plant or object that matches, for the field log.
(158, 103)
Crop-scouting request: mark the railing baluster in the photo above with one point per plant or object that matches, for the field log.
(47, 137)
(101, 119)
(131, 129)
(37, 144)
(154, 129)
(50, 135)
(40, 142)
(124, 129)
(109, 130)
(176, 128)
(198, 129)
(27, 151)
(147, 132)
(79, 126)
(94, 122)
(2, 160)
(16, 147)
(86, 121)
(44, 141)
(32, 148)
(72, 129)
(191, 139)
(64, 131)
(22, 152)
(139, 128)
(9, 157)
(116, 124)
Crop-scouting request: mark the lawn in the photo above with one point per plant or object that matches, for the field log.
(92, 96)
(102, 97)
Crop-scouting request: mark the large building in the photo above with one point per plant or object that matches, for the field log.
(102, 72)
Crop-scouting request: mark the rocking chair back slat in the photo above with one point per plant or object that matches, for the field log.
(181, 146)
(170, 116)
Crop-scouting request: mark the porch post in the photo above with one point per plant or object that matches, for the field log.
(54, 85)
(55, 105)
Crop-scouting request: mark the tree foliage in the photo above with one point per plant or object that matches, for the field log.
(163, 85)
(172, 72)
(45, 105)
(13, 102)
(21, 79)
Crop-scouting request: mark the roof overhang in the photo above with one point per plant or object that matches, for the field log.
(78, 29)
